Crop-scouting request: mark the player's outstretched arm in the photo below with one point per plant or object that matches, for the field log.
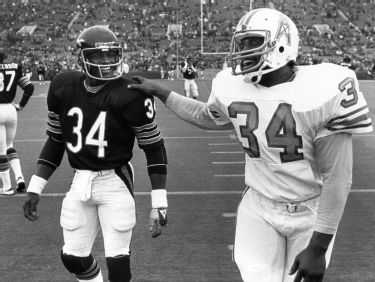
(192, 111)
(149, 87)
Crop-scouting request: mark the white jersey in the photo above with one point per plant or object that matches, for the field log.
(277, 126)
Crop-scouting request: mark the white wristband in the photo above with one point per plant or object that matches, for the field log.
(159, 198)
(36, 184)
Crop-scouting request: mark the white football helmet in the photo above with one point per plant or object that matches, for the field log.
(280, 44)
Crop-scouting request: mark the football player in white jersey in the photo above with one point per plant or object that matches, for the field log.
(295, 124)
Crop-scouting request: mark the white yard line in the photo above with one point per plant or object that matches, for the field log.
(231, 152)
(229, 175)
(222, 144)
(165, 137)
(225, 163)
(177, 193)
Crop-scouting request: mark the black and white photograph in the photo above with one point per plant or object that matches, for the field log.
(187, 141)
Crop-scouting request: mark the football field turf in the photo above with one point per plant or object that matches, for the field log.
(205, 181)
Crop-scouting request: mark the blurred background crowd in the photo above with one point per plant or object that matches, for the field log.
(42, 32)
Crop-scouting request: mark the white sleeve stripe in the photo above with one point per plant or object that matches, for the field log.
(52, 114)
(54, 123)
(157, 165)
(143, 127)
(149, 141)
(148, 134)
(146, 130)
(53, 130)
(23, 82)
(46, 161)
(148, 137)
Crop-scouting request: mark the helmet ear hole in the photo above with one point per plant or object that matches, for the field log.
(281, 49)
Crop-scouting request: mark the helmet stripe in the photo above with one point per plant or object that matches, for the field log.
(246, 19)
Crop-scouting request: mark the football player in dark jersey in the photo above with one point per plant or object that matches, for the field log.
(95, 119)
(10, 76)
(189, 73)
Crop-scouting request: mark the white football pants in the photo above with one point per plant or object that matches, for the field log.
(97, 199)
(269, 237)
(191, 88)
(8, 126)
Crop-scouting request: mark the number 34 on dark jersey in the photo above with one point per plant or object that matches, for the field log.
(99, 129)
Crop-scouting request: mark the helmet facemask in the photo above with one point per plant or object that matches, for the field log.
(250, 60)
(98, 68)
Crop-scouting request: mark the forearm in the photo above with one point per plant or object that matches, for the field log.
(320, 241)
(44, 171)
(193, 111)
(157, 170)
(335, 162)
(49, 159)
(28, 91)
(158, 181)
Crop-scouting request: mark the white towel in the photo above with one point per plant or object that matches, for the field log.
(83, 182)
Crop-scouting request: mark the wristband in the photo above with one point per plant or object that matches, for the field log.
(36, 184)
(159, 198)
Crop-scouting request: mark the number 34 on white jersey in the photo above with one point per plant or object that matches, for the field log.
(277, 126)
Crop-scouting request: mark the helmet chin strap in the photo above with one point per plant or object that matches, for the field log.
(256, 76)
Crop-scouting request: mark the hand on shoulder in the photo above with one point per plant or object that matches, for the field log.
(148, 87)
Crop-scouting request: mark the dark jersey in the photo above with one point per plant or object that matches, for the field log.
(189, 73)
(40, 70)
(98, 129)
(11, 76)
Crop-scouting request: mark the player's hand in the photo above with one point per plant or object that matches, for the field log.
(149, 87)
(310, 265)
(158, 221)
(18, 107)
(29, 207)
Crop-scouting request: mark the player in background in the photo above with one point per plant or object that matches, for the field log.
(41, 73)
(125, 67)
(347, 62)
(295, 124)
(189, 74)
(95, 119)
(28, 73)
(10, 76)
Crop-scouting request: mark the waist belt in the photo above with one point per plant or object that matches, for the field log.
(291, 207)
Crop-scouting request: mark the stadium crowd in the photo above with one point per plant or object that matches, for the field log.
(42, 32)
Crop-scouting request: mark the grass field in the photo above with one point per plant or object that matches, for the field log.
(203, 198)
